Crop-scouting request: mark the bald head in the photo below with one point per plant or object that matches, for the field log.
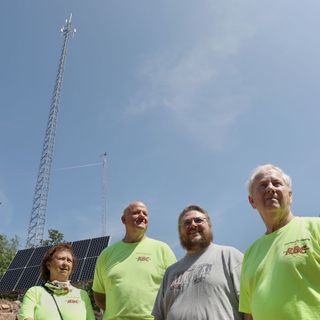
(135, 219)
(133, 205)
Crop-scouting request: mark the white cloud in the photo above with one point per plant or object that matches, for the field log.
(200, 87)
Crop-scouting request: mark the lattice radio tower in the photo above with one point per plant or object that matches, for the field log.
(38, 213)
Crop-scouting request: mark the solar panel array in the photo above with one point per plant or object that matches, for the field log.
(24, 270)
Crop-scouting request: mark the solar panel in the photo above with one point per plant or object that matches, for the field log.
(21, 258)
(9, 280)
(24, 270)
(29, 277)
(80, 248)
(88, 269)
(36, 257)
(77, 271)
(96, 246)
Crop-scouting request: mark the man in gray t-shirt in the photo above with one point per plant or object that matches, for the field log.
(204, 285)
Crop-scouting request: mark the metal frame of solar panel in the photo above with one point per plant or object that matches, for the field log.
(24, 270)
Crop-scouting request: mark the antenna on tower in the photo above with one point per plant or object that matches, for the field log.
(104, 195)
(38, 212)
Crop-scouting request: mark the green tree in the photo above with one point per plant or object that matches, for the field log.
(8, 249)
(55, 237)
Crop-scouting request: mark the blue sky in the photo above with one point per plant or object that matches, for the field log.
(186, 98)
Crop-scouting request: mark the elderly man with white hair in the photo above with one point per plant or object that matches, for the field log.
(280, 272)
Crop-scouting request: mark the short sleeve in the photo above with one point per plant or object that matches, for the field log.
(98, 284)
(28, 304)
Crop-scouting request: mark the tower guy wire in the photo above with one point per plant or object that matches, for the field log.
(39, 206)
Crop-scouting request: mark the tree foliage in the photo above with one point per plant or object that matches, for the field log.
(55, 237)
(8, 249)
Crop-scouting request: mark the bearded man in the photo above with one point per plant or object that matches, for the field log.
(204, 285)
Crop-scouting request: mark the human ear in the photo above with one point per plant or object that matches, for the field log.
(251, 201)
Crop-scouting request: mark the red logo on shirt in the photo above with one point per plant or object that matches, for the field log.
(143, 259)
(73, 301)
(296, 249)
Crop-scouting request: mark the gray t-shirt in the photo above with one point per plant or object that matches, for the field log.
(203, 286)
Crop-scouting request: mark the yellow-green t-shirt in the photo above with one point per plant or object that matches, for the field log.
(38, 304)
(130, 274)
(280, 277)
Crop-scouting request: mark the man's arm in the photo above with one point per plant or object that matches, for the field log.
(100, 300)
(248, 316)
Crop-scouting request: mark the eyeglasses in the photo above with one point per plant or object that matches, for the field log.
(197, 220)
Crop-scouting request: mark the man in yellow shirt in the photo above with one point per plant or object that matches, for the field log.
(128, 274)
(280, 271)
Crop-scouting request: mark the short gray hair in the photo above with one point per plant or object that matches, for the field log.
(257, 171)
